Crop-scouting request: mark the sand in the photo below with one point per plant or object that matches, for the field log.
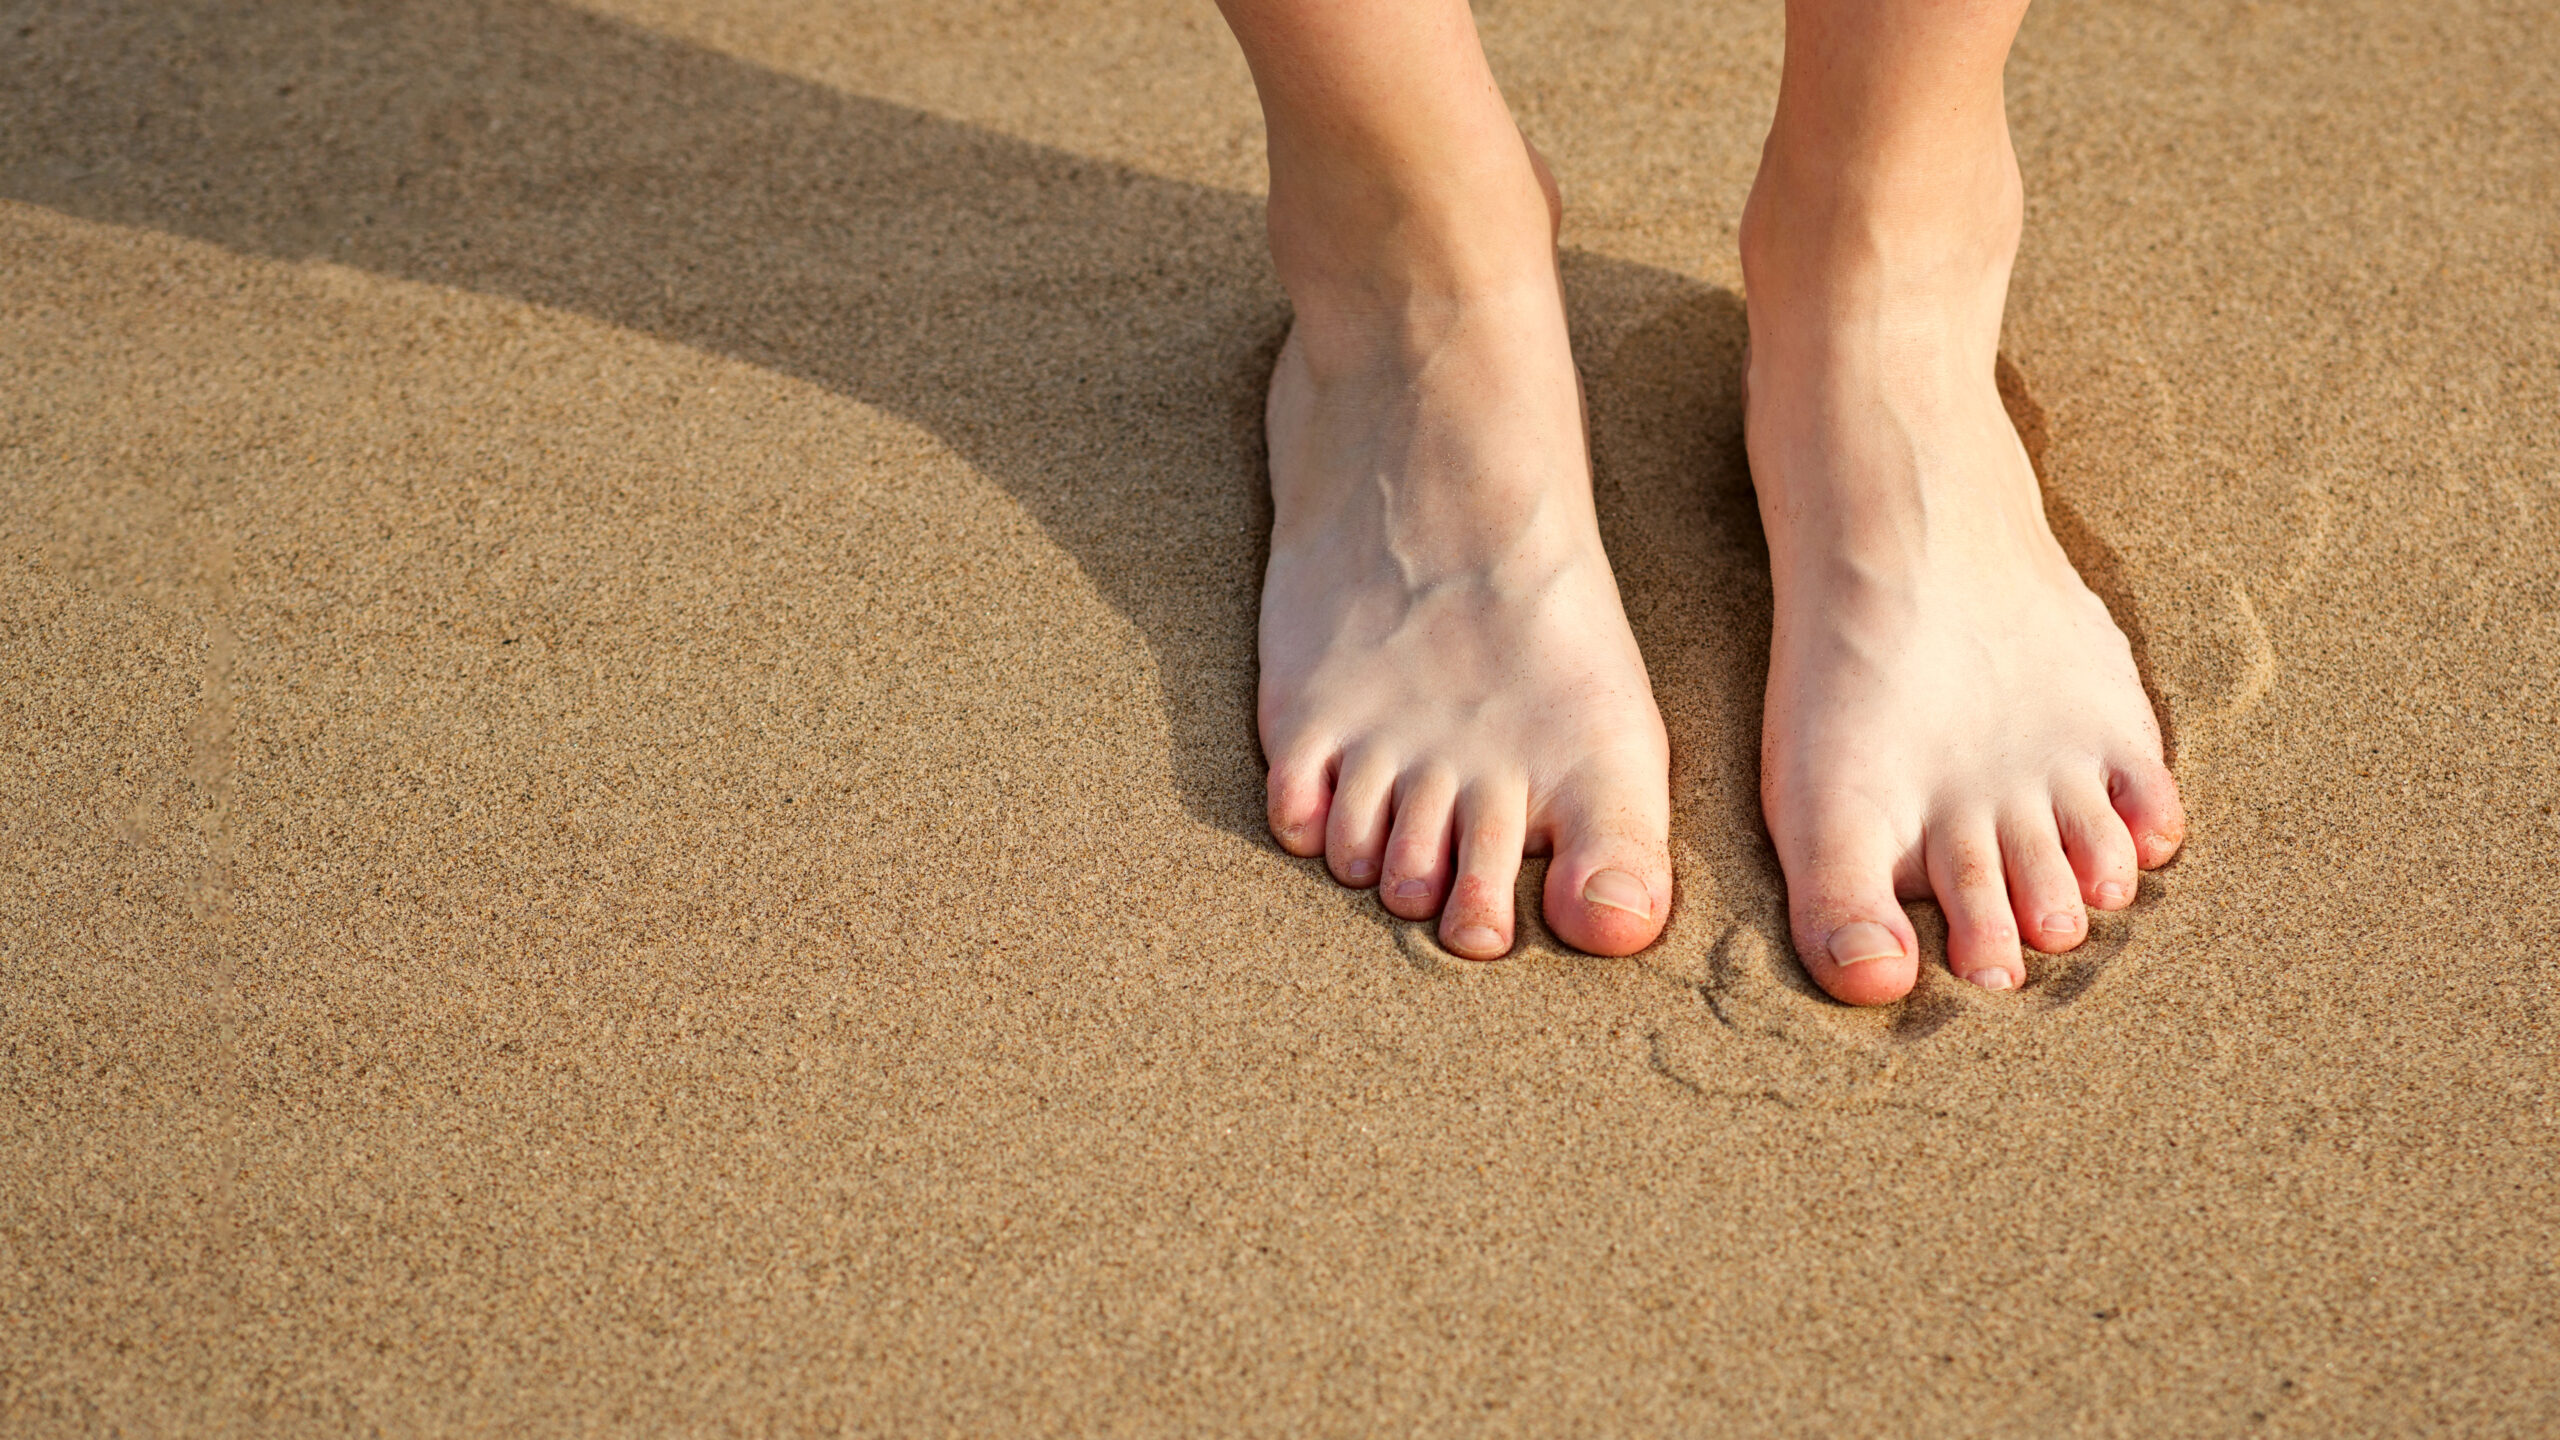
(631, 806)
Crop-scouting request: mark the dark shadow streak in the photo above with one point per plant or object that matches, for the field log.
(1091, 338)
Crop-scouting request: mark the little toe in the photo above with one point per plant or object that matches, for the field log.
(1355, 835)
(1299, 792)
(1493, 825)
(1982, 932)
(2094, 837)
(1417, 863)
(2044, 894)
(1849, 930)
(2146, 795)
(1608, 890)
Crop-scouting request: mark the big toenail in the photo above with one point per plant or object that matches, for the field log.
(1992, 978)
(2111, 893)
(2061, 922)
(1474, 940)
(1619, 891)
(1359, 872)
(1860, 941)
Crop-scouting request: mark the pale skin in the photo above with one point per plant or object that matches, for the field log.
(1448, 679)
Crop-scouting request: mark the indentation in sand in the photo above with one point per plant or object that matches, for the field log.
(1761, 1030)
(1768, 1035)
(2222, 666)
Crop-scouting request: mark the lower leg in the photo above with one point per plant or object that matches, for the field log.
(1448, 681)
(1395, 167)
(1887, 182)
(1950, 712)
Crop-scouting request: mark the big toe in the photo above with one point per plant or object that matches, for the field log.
(1850, 932)
(1612, 904)
(1608, 889)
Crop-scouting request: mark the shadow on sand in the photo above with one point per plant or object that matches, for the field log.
(1091, 338)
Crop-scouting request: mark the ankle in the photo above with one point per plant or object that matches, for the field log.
(1908, 216)
(1398, 257)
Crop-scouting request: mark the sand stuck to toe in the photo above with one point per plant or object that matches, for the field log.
(632, 806)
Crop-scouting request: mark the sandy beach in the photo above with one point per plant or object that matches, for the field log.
(631, 802)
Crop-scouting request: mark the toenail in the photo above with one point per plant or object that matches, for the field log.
(2111, 893)
(1474, 939)
(1359, 872)
(2061, 922)
(1412, 889)
(1619, 891)
(1992, 978)
(1860, 941)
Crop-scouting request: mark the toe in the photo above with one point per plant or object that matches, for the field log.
(1608, 890)
(2044, 896)
(1355, 832)
(1492, 824)
(1982, 934)
(1850, 932)
(2094, 837)
(1299, 792)
(1417, 864)
(2146, 796)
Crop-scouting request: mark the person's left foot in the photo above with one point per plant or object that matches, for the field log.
(1950, 712)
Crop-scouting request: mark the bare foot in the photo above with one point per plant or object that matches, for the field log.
(1951, 713)
(1448, 680)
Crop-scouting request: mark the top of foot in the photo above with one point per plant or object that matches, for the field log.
(1448, 680)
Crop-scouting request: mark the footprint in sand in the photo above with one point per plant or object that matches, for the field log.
(1766, 1034)
(1770, 1036)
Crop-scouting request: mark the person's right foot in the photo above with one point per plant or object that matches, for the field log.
(1448, 680)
